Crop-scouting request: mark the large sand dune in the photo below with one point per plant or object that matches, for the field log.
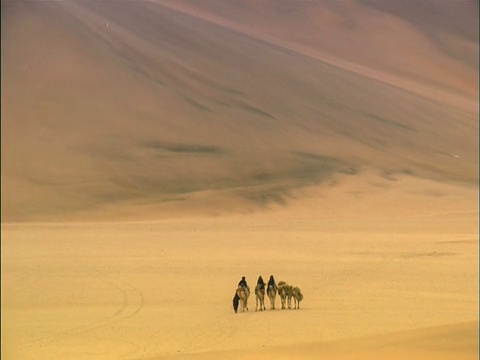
(130, 103)
(153, 152)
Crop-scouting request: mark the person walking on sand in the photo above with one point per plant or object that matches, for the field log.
(236, 300)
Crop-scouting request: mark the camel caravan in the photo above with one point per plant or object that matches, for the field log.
(284, 290)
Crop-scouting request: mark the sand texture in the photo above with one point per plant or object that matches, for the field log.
(153, 152)
(373, 288)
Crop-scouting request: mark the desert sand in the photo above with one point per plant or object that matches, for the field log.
(376, 286)
(153, 152)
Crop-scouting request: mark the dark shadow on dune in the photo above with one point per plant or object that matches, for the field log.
(164, 147)
(387, 122)
(196, 104)
(256, 111)
(300, 169)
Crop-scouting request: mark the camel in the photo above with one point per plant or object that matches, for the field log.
(285, 292)
(243, 293)
(282, 292)
(289, 295)
(260, 297)
(297, 297)
(272, 294)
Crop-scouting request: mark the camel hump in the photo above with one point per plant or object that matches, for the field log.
(297, 293)
(282, 283)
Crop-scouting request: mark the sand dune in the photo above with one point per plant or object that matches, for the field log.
(134, 103)
(153, 152)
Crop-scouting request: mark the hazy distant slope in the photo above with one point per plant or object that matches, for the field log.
(426, 41)
(113, 102)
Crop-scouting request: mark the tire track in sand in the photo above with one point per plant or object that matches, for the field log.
(132, 302)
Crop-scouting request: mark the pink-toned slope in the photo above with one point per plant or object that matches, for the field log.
(170, 104)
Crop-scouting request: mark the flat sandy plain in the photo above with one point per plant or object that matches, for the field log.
(153, 152)
(376, 286)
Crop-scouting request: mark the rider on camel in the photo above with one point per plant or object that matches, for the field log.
(261, 283)
(271, 282)
(243, 283)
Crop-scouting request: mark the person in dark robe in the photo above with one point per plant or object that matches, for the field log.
(271, 282)
(243, 283)
(261, 283)
(236, 300)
